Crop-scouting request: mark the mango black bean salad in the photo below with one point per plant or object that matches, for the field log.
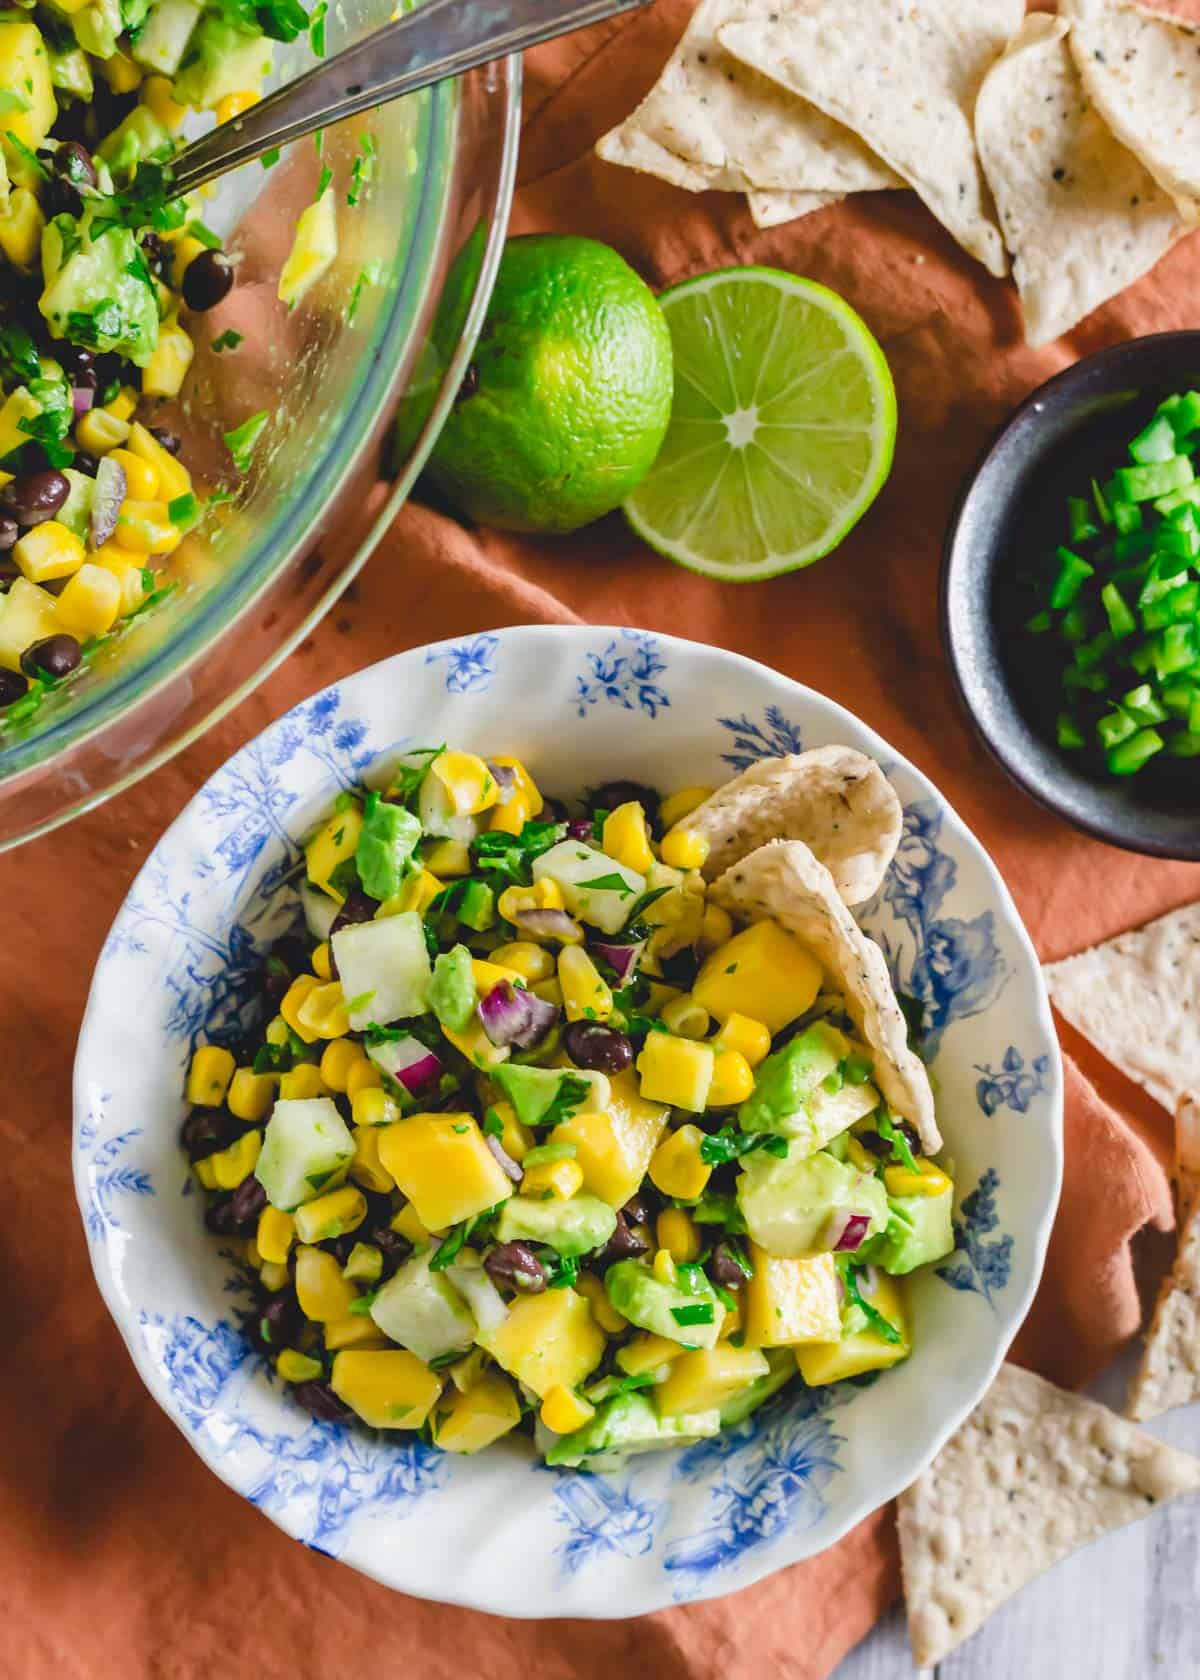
(102, 275)
(534, 1137)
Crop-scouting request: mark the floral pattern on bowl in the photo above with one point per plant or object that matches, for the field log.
(582, 705)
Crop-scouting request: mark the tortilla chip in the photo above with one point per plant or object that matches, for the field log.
(1081, 216)
(838, 801)
(784, 880)
(1142, 71)
(771, 208)
(904, 78)
(1169, 1373)
(1187, 1152)
(735, 130)
(1033, 1475)
(1137, 998)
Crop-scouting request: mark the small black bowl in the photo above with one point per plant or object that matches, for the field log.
(1009, 519)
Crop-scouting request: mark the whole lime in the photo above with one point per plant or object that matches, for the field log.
(568, 396)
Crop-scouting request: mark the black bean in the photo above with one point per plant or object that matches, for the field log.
(168, 439)
(78, 364)
(881, 1146)
(319, 1399)
(218, 1215)
(35, 496)
(207, 280)
(87, 464)
(590, 1044)
(612, 794)
(341, 1247)
(249, 1199)
(514, 1265)
(73, 162)
(725, 1269)
(9, 532)
(54, 656)
(60, 198)
(280, 1321)
(624, 1243)
(12, 686)
(553, 810)
(208, 1129)
(357, 907)
(637, 1209)
(155, 253)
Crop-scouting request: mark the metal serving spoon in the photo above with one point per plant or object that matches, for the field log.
(441, 39)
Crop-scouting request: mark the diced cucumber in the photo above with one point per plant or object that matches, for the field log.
(385, 969)
(576, 868)
(163, 38)
(320, 911)
(305, 1146)
(423, 1311)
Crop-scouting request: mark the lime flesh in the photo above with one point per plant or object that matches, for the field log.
(782, 428)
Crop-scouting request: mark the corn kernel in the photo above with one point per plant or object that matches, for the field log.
(683, 850)
(274, 1275)
(296, 1367)
(510, 815)
(331, 1215)
(156, 96)
(204, 1173)
(124, 405)
(322, 961)
(251, 1094)
(98, 432)
(563, 1410)
(128, 570)
(858, 1155)
(489, 975)
(674, 1070)
(292, 1001)
(322, 1291)
(276, 1031)
(234, 104)
(626, 838)
(521, 956)
(323, 1011)
(716, 926)
(208, 1077)
(603, 1311)
(303, 1081)
(363, 1076)
(90, 603)
(449, 859)
(676, 806)
(750, 1038)
(542, 895)
(677, 1235)
(417, 893)
(585, 995)
(146, 528)
(275, 1234)
(141, 477)
(664, 1268)
(366, 1168)
(21, 233)
(677, 1167)
(230, 1166)
(373, 1106)
(732, 1080)
(173, 477)
(516, 1139)
(409, 1226)
(120, 71)
(928, 1180)
(550, 991)
(559, 1179)
(48, 551)
(337, 1059)
(685, 1017)
(469, 783)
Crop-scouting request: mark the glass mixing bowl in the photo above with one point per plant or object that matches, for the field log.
(356, 380)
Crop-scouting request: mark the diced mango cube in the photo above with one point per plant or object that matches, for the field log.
(366, 1168)
(335, 842)
(586, 996)
(708, 1377)
(677, 1167)
(359, 1330)
(564, 1411)
(475, 1417)
(25, 72)
(557, 1179)
(603, 1311)
(442, 1163)
(547, 1341)
(48, 551)
(763, 972)
(674, 1070)
(410, 1227)
(212, 1067)
(647, 1353)
(791, 1301)
(515, 1139)
(613, 1146)
(389, 1389)
(867, 1350)
(626, 837)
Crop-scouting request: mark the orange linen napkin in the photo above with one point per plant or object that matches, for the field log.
(120, 1555)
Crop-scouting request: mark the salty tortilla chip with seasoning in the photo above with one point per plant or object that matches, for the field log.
(1080, 214)
(1137, 998)
(772, 208)
(710, 122)
(785, 881)
(1033, 1475)
(1142, 71)
(835, 799)
(902, 77)
(1169, 1373)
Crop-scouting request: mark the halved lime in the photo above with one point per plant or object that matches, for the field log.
(782, 427)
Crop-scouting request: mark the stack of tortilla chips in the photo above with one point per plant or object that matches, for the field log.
(1070, 143)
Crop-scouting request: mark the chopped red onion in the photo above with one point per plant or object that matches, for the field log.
(82, 398)
(550, 924)
(623, 959)
(845, 1232)
(580, 828)
(504, 776)
(512, 1015)
(505, 1160)
(407, 1060)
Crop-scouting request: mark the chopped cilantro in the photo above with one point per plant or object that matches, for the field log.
(316, 31)
(730, 1145)
(850, 1275)
(19, 364)
(892, 1134)
(183, 510)
(363, 170)
(242, 440)
(608, 883)
(228, 340)
(493, 1125)
(204, 234)
(271, 158)
(700, 1312)
(323, 180)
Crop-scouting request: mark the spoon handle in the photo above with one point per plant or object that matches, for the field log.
(440, 39)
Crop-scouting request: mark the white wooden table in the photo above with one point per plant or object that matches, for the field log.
(1126, 1608)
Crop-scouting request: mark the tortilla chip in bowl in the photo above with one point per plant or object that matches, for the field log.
(581, 706)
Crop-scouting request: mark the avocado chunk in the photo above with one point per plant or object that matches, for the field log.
(919, 1231)
(386, 842)
(423, 1311)
(799, 1093)
(452, 995)
(782, 1363)
(534, 1092)
(477, 906)
(627, 1424)
(76, 511)
(787, 1204)
(98, 290)
(305, 1146)
(96, 26)
(572, 1227)
(222, 57)
(138, 136)
(687, 1311)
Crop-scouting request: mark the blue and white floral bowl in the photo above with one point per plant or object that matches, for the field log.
(582, 705)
